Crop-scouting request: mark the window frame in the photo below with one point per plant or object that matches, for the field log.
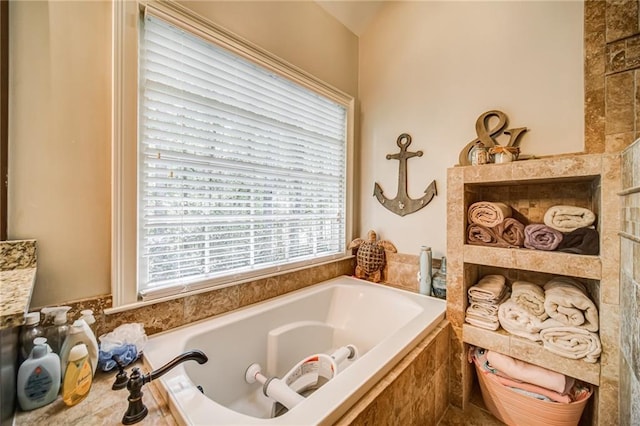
(126, 20)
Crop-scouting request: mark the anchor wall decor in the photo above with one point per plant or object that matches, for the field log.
(402, 204)
(486, 135)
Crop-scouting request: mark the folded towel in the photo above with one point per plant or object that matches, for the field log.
(483, 322)
(541, 237)
(581, 241)
(490, 288)
(488, 214)
(572, 342)
(518, 321)
(483, 309)
(529, 373)
(566, 301)
(511, 231)
(568, 218)
(480, 356)
(530, 297)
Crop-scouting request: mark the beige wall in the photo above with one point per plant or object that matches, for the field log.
(59, 143)
(60, 121)
(431, 68)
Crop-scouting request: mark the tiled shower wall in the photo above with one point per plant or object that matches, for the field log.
(630, 288)
(612, 123)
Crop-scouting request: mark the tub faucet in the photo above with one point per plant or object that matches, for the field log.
(137, 410)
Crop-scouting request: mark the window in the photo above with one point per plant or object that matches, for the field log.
(241, 169)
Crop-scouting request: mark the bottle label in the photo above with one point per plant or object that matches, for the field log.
(38, 384)
(84, 378)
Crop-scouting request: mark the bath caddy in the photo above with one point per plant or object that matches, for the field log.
(514, 408)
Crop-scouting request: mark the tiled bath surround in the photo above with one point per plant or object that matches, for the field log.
(630, 288)
(414, 392)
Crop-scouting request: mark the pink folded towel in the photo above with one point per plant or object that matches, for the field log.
(529, 373)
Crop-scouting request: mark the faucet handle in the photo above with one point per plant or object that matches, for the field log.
(121, 377)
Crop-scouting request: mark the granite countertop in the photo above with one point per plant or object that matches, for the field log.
(103, 406)
(17, 278)
(15, 287)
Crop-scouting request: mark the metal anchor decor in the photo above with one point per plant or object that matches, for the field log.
(402, 204)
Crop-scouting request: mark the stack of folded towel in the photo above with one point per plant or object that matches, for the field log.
(561, 316)
(484, 299)
(567, 303)
(575, 224)
(491, 224)
(529, 379)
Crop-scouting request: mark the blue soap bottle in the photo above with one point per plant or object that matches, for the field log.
(38, 377)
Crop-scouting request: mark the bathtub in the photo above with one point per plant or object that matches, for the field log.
(381, 322)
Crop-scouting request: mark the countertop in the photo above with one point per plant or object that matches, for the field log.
(103, 406)
(17, 278)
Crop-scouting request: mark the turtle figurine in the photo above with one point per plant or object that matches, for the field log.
(370, 257)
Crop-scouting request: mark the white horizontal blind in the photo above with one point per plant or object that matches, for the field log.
(240, 170)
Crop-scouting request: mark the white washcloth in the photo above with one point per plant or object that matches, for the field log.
(572, 342)
(568, 218)
(567, 302)
(530, 297)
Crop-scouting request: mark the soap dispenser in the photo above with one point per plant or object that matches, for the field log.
(30, 330)
(57, 332)
(440, 280)
(38, 379)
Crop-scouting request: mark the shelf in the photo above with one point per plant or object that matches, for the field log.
(532, 352)
(557, 170)
(574, 265)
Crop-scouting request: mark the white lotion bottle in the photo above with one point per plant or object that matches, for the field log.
(38, 380)
(425, 270)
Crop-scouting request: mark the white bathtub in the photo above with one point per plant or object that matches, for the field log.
(383, 323)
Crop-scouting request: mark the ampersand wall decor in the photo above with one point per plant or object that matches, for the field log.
(486, 135)
(402, 204)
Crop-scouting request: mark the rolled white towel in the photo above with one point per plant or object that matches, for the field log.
(530, 297)
(566, 301)
(572, 342)
(568, 218)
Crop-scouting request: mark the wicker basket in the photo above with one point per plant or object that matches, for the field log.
(516, 409)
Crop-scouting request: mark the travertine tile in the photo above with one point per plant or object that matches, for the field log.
(618, 141)
(610, 339)
(205, 305)
(155, 318)
(621, 18)
(594, 68)
(257, 291)
(620, 103)
(608, 402)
